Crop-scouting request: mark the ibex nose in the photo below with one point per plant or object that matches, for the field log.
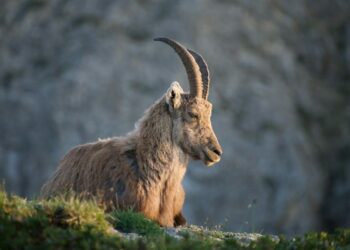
(216, 148)
(218, 151)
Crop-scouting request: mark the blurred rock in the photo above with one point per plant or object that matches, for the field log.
(74, 71)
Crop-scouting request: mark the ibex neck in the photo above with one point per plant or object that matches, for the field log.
(156, 152)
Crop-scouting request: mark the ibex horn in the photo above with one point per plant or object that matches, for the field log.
(191, 66)
(203, 67)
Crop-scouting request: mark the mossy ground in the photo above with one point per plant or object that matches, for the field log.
(72, 224)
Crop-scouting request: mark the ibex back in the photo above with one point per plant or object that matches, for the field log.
(144, 169)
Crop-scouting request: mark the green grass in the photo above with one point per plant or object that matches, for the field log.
(131, 222)
(67, 223)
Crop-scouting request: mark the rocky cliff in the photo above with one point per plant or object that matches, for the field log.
(75, 71)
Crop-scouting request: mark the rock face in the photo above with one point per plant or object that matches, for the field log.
(74, 71)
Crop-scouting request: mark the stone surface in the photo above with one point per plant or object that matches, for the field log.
(74, 71)
(243, 239)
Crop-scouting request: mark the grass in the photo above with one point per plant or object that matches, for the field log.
(67, 223)
(131, 222)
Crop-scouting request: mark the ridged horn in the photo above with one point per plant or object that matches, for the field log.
(192, 69)
(203, 67)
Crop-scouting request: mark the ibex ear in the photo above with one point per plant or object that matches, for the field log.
(173, 96)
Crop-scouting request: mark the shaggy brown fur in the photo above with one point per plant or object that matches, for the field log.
(144, 170)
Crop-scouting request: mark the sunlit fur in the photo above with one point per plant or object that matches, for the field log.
(144, 169)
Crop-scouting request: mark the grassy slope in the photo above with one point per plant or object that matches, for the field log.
(71, 224)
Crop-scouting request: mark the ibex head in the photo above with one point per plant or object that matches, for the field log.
(191, 111)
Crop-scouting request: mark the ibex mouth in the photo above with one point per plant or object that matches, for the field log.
(210, 157)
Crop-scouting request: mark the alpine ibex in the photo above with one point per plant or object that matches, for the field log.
(144, 169)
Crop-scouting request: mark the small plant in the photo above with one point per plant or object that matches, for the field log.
(131, 222)
(249, 223)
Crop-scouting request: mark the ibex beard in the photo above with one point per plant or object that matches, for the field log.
(144, 169)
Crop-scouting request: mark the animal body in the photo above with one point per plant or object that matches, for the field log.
(144, 169)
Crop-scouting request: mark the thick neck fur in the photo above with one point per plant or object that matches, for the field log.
(156, 152)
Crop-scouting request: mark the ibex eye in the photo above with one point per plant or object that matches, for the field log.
(193, 115)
